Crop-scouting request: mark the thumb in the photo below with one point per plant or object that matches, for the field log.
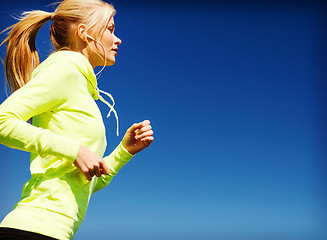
(134, 127)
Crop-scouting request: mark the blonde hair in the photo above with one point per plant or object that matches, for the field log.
(21, 55)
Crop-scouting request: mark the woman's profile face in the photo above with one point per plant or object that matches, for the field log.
(109, 44)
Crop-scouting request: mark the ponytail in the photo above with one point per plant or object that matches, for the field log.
(21, 56)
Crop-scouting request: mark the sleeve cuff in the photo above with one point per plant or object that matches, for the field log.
(126, 153)
(118, 158)
(115, 161)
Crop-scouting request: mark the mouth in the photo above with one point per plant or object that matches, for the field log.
(115, 50)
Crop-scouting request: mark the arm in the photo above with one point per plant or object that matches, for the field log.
(138, 137)
(46, 91)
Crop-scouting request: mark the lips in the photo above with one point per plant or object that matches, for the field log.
(115, 50)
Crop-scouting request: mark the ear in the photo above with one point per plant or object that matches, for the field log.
(81, 32)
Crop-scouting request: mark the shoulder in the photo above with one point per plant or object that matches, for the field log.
(56, 71)
(64, 72)
(55, 79)
(55, 65)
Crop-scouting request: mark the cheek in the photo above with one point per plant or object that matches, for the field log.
(109, 43)
(108, 40)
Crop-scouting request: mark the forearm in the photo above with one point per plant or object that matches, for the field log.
(115, 161)
(18, 134)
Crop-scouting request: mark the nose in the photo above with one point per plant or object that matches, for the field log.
(117, 40)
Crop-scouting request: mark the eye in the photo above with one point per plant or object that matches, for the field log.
(111, 29)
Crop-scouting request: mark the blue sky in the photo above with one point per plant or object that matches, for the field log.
(235, 93)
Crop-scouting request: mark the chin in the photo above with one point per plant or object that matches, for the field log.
(110, 62)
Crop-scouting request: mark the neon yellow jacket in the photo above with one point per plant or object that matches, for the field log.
(61, 99)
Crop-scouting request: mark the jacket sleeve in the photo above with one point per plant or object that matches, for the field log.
(115, 161)
(47, 90)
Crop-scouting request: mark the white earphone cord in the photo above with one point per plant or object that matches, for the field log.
(104, 50)
(108, 94)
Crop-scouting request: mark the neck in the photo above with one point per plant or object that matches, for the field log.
(87, 52)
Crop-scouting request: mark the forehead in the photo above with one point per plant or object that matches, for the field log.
(112, 21)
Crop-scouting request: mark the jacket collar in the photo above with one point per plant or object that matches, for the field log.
(83, 65)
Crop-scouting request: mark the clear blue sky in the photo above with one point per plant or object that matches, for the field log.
(235, 93)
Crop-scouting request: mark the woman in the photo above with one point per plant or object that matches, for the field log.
(67, 135)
